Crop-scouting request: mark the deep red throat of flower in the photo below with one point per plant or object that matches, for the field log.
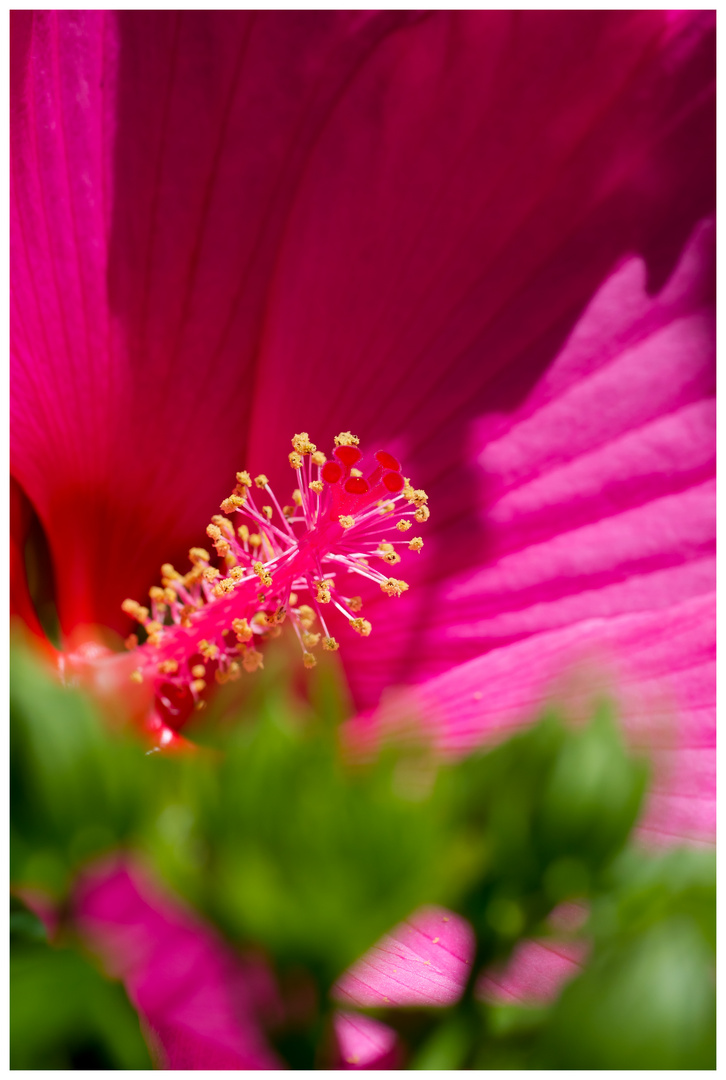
(275, 563)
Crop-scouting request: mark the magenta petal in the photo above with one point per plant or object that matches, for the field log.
(660, 667)
(365, 1043)
(424, 961)
(201, 1005)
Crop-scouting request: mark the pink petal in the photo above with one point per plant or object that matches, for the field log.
(202, 1006)
(659, 665)
(422, 962)
(365, 1043)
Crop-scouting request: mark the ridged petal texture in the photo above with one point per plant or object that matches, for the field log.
(479, 240)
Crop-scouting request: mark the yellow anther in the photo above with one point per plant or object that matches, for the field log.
(387, 507)
(198, 555)
(310, 640)
(330, 644)
(394, 587)
(422, 514)
(169, 574)
(244, 479)
(198, 685)
(210, 573)
(419, 497)
(207, 649)
(322, 592)
(264, 575)
(233, 671)
(131, 641)
(355, 603)
(252, 660)
(288, 511)
(135, 610)
(318, 458)
(276, 618)
(236, 573)
(169, 595)
(233, 502)
(255, 540)
(153, 627)
(302, 443)
(214, 532)
(361, 626)
(137, 676)
(157, 594)
(199, 671)
(261, 480)
(295, 460)
(317, 486)
(309, 660)
(185, 615)
(230, 561)
(391, 557)
(346, 439)
(416, 544)
(267, 511)
(196, 574)
(224, 524)
(292, 599)
(403, 526)
(223, 588)
(169, 667)
(242, 630)
(297, 497)
(346, 521)
(244, 533)
(306, 616)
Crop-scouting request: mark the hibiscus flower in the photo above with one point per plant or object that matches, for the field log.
(479, 240)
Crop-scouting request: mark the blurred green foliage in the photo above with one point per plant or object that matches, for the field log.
(279, 842)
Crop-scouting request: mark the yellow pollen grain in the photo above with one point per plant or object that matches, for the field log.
(355, 603)
(306, 616)
(199, 671)
(233, 502)
(330, 644)
(168, 667)
(169, 573)
(295, 460)
(137, 676)
(223, 588)
(322, 592)
(198, 555)
(355, 472)
(244, 479)
(237, 573)
(207, 649)
(157, 594)
(317, 486)
(261, 481)
(214, 532)
(346, 521)
(309, 660)
(435, 941)
(416, 544)
(422, 514)
(394, 586)
(403, 526)
(264, 575)
(318, 458)
(310, 640)
(361, 626)
(302, 443)
(242, 630)
(346, 439)
(210, 573)
(252, 660)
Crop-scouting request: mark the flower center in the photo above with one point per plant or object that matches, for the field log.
(275, 563)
